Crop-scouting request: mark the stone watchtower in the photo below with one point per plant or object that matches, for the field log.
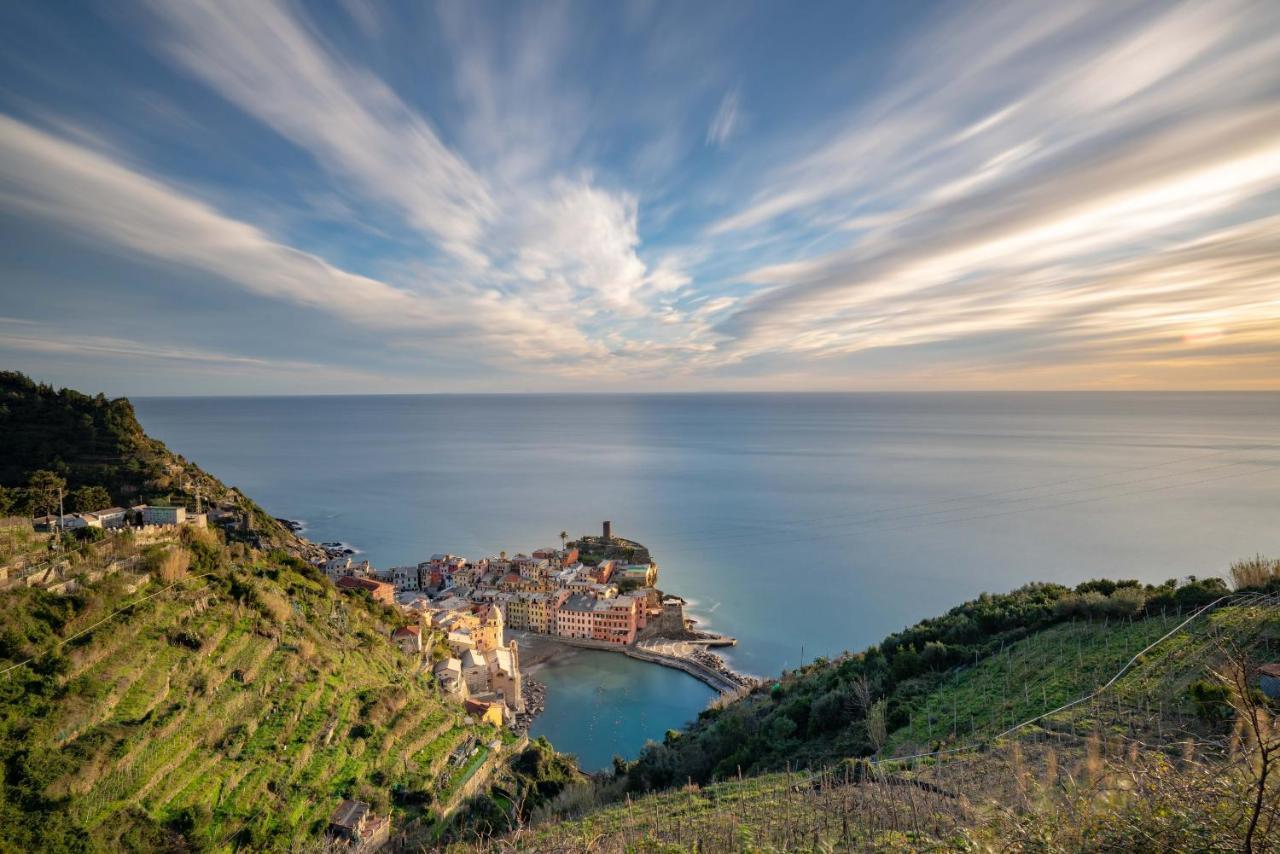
(608, 532)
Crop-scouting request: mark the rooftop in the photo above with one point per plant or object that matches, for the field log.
(578, 602)
(355, 582)
(349, 814)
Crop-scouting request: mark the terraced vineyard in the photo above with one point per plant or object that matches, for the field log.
(1036, 676)
(1026, 679)
(1132, 755)
(235, 708)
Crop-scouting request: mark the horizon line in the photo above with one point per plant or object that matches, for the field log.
(713, 392)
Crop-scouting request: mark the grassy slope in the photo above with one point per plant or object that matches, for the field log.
(818, 714)
(1027, 679)
(1066, 661)
(771, 812)
(233, 708)
(1053, 667)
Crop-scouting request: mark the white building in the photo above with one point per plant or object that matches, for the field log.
(405, 578)
(153, 515)
(336, 567)
(111, 517)
(449, 674)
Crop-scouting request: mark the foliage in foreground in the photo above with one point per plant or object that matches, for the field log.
(233, 705)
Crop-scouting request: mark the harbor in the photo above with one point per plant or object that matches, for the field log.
(484, 627)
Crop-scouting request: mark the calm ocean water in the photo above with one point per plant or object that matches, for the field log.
(801, 524)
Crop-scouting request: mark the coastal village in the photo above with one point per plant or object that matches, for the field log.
(595, 592)
(456, 614)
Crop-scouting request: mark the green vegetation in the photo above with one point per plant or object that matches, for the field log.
(89, 498)
(178, 691)
(771, 812)
(93, 446)
(1172, 755)
(1029, 678)
(236, 702)
(192, 689)
(534, 778)
(820, 713)
(592, 550)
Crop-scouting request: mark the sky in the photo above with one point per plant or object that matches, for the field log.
(271, 198)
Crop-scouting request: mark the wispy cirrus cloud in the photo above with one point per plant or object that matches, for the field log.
(106, 202)
(725, 121)
(1007, 195)
(1114, 150)
(511, 224)
(261, 58)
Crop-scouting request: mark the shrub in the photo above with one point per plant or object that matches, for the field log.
(90, 535)
(830, 711)
(171, 565)
(306, 649)
(1124, 602)
(1257, 571)
(1211, 699)
(934, 656)
(274, 605)
(906, 663)
(1105, 586)
(1079, 605)
(187, 638)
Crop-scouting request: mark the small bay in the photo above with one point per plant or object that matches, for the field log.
(602, 703)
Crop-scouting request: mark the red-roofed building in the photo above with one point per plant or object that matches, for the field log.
(484, 711)
(381, 591)
(409, 639)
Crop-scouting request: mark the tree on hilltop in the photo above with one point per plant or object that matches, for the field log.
(89, 498)
(44, 489)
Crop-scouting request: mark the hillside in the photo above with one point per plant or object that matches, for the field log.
(201, 688)
(859, 703)
(997, 718)
(93, 441)
(1145, 762)
(235, 703)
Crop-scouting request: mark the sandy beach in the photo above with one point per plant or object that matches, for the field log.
(539, 651)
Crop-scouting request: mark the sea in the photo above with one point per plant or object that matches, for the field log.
(801, 524)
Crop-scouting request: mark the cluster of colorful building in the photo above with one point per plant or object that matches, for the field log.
(469, 604)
